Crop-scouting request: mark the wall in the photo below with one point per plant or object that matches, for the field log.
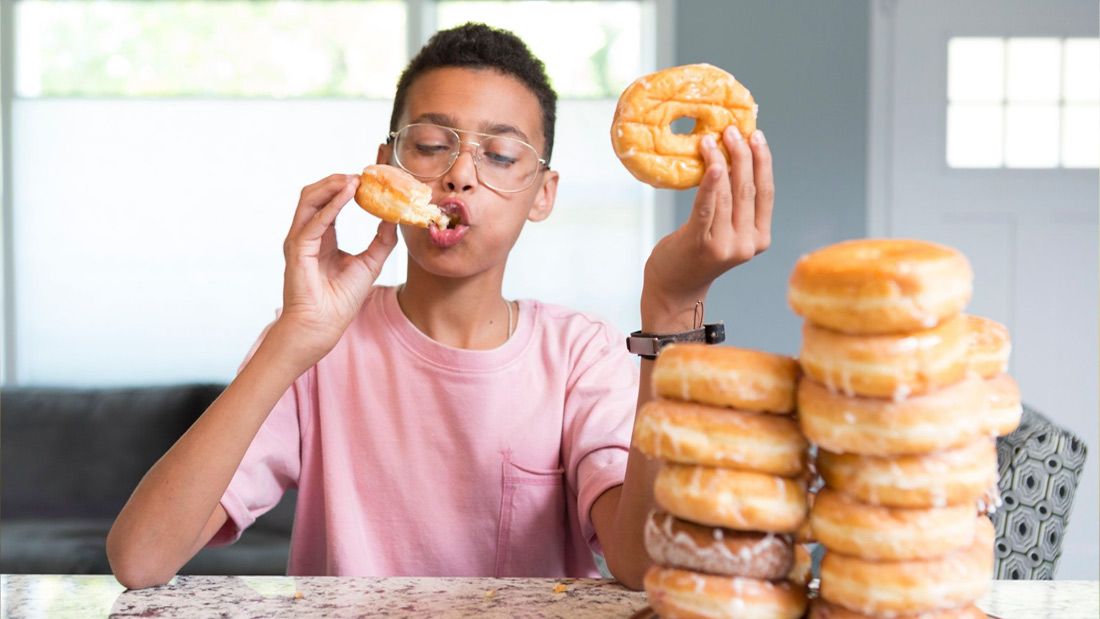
(807, 67)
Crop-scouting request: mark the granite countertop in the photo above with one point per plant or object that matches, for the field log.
(283, 596)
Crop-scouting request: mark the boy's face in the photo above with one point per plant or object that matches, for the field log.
(481, 101)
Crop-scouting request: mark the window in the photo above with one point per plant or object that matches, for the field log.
(602, 57)
(192, 48)
(158, 150)
(1023, 102)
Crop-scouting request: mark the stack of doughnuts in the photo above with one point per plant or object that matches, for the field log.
(731, 490)
(903, 395)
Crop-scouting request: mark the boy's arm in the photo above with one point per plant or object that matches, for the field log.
(175, 509)
(730, 222)
(173, 512)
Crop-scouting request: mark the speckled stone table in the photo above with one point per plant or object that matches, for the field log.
(276, 596)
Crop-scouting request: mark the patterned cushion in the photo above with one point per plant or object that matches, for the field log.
(1040, 465)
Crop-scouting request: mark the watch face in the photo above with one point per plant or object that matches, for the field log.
(645, 345)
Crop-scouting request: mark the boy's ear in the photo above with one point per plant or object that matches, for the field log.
(544, 200)
(383, 153)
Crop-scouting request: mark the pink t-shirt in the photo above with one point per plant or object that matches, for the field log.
(416, 459)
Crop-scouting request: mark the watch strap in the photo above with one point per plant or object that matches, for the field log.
(649, 345)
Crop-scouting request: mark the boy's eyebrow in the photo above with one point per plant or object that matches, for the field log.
(489, 128)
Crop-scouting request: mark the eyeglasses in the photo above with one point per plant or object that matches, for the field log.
(428, 151)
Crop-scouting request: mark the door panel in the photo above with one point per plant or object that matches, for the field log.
(1032, 235)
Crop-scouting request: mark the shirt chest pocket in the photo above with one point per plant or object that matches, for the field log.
(531, 536)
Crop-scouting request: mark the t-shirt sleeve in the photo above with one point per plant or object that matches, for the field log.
(270, 465)
(599, 417)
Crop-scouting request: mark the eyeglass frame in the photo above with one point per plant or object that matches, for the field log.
(544, 165)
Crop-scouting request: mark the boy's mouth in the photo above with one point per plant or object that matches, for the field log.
(459, 222)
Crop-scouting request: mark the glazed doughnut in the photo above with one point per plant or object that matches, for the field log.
(697, 434)
(945, 418)
(876, 533)
(884, 587)
(805, 533)
(732, 499)
(886, 366)
(879, 286)
(802, 569)
(641, 131)
(750, 380)
(1005, 408)
(990, 346)
(680, 594)
(820, 609)
(394, 195)
(673, 542)
(950, 477)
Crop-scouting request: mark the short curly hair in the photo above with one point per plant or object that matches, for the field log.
(479, 46)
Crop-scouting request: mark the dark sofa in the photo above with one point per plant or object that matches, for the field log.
(69, 459)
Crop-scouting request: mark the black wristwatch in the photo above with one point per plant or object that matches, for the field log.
(649, 345)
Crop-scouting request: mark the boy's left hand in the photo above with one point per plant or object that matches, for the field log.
(730, 222)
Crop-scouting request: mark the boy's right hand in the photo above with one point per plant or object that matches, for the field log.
(324, 287)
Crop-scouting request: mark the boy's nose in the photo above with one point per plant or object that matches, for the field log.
(463, 173)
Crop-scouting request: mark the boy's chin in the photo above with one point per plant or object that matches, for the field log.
(451, 262)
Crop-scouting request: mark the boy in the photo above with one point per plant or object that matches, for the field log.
(438, 428)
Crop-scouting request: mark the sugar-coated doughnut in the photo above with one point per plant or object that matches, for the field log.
(1005, 408)
(950, 477)
(681, 594)
(750, 380)
(990, 346)
(937, 420)
(845, 525)
(878, 286)
(673, 542)
(641, 131)
(820, 609)
(733, 499)
(911, 587)
(886, 366)
(394, 195)
(698, 434)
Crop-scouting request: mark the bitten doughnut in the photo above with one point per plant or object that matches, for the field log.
(697, 434)
(884, 587)
(876, 533)
(726, 376)
(820, 609)
(1005, 408)
(990, 346)
(732, 499)
(937, 479)
(641, 131)
(680, 594)
(394, 195)
(886, 366)
(944, 418)
(878, 286)
(673, 542)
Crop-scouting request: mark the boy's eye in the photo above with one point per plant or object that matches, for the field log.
(499, 158)
(432, 149)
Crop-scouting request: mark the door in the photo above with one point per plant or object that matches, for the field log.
(1030, 233)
